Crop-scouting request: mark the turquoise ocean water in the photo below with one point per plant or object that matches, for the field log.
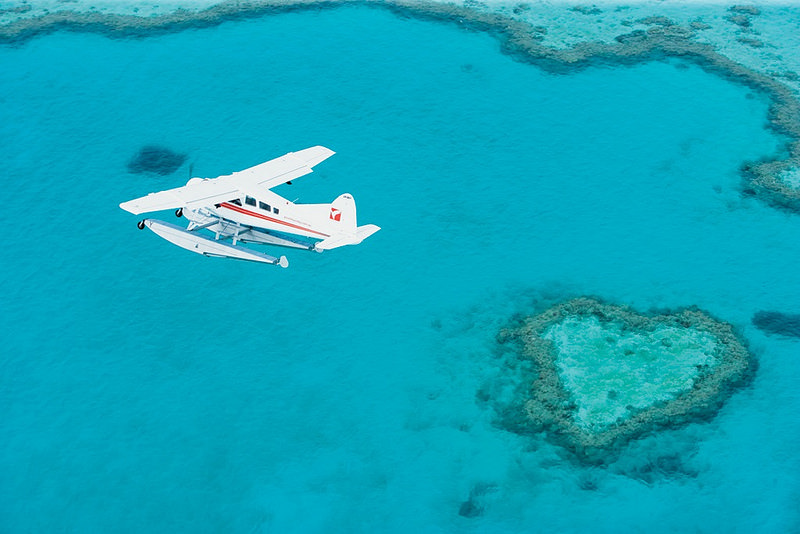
(146, 389)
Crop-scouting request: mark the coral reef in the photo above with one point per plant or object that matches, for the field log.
(586, 10)
(518, 39)
(745, 10)
(157, 160)
(771, 322)
(604, 374)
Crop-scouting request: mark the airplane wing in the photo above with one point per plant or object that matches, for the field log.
(198, 192)
(203, 192)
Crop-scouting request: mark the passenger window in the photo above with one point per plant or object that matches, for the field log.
(250, 201)
(236, 201)
(263, 206)
(275, 211)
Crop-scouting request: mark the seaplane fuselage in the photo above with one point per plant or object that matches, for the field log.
(270, 212)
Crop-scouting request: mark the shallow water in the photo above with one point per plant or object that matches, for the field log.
(610, 371)
(147, 389)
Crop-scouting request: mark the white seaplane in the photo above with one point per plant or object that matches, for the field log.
(241, 208)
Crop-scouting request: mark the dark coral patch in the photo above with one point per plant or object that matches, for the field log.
(670, 466)
(469, 509)
(745, 10)
(157, 160)
(474, 506)
(784, 324)
(740, 20)
(586, 10)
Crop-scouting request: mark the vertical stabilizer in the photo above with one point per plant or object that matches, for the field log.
(343, 215)
(343, 225)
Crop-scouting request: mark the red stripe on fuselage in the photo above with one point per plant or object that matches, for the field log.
(241, 210)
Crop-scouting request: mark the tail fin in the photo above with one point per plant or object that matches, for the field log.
(344, 225)
(343, 215)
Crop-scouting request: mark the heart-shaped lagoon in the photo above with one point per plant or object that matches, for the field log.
(606, 374)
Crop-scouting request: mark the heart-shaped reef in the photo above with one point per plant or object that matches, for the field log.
(603, 374)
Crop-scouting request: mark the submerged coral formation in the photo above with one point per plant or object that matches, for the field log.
(474, 505)
(157, 160)
(772, 322)
(604, 374)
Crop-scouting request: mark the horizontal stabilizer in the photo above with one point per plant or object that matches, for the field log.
(206, 246)
(340, 240)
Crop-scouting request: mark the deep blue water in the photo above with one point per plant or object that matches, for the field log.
(146, 389)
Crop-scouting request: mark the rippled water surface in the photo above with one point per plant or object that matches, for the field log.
(146, 389)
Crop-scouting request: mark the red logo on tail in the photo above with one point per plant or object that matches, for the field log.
(336, 215)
